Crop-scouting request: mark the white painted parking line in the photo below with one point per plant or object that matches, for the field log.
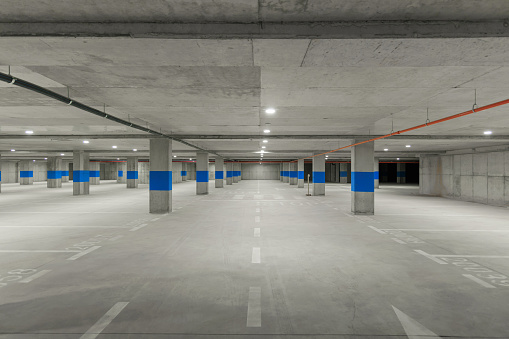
(414, 329)
(63, 226)
(254, 307)
(479, 281)
(470, 256)
(399, 241)
(432, 215)
(433, 230)
(35, 276)
(85, 252)
(377, 230)
(116, 238)
(429, 256)
(137, 227)
(256, 256)
(257, 232)
(38, 251)
(257, 218)
(105, 320)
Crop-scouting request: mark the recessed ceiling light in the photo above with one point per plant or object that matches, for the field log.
(135, 150)
(118, 158)
(408, 146)
(62, 154)
(174, 156)
(270, 110)
(265, 141)
(397, 158)
(29, 132)
(262, 151)
(113, 146)
(264, 147)
(13, 150)
(266, 131)
(190, 159)
(488, 132)
(33, 160)
(86, 141)
(386, 149)
(45, 158)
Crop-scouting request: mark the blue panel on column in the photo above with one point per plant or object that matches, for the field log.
(401, 174)
(229, 174)
(120, 174)
(54, 174)
(300, 175)
(80, 176)
(285, 173)
(132, 175)
(26, 174)
(183, 173)
(377, 176)
(65, 173)
(343, 173)
(95, 174)
(363, 182)
(202, 176)
(280, 173)
(219, 175)
(160, 181)
(319, 177)
(293, 174)
(0, 175)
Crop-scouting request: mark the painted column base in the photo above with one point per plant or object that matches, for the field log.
(202, 188)
(219, 183)
(65, 179)
(95, 181)
(300, 183)
(26, 181)
(160, 202)
(235, 180)
(343, 180)
(363, 203)
(132, 183)
(80, 188)
(286, 180)
(319, 189)
(54, 183)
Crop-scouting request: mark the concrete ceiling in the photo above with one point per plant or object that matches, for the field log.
(222, 86)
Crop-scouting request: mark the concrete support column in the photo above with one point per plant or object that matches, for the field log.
(363, 180)
(95, 173)
(65, 171)
(0, 173)
(239, 171)
(286, 172)
(300, 173)
(80, 173)
(376, 172)
(183, 172)
(202, 173)
(319, 175)
(281, 172)
(235, 173)
(132, 172)
(121, 172)
(160, 178)
(293, 173)
(401, 175)
(219, 174)
(26, 172)
(54, 172)
(343, 173)
(229, 173)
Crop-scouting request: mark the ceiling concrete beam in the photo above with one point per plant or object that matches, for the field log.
(265, 30)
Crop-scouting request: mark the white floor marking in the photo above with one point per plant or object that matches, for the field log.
(116, 238)
(399, 241)
(479, 281)
(257, 232)
(413, 329)
(434, 215)
(85, 252)
(27, 212)
(155, 219)
(429, 256)
(430, 230)
(38, 251)
(137, 227)
(254, 307)
(377, 230)
(105, 320)
(257, 210)
(63, 226)
(255, 257)
(257, 218)
(35, 276)
(470, 256)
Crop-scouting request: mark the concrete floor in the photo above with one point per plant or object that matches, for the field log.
(77, 266)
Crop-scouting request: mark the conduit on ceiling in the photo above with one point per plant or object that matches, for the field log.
(451, 117)
(68, 101)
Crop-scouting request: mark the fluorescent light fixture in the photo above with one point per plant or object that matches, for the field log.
(190, 159)
(135, 150)
(118, 158)
(262, 151)
(29, 132)
(397, 158)
(266, 131)
(45, 158)
(62, 154)
(13, 150)
(174, 156)
(86, 141)
(270, 110)
(265, 141)
(33, 160)
(113, 146)
(408, 146)
(487, 132)
(386, 149)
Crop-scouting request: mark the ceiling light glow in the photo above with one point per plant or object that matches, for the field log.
(13, 150)
(386, 149)
(487, 132)
(264, 147)
(62, 154)
(86, 141)
(265, 141)
(266, 131)
(270, 110)
(135, 150)
(397, 158)
(408, 146)
(113, 146)
(29, 132)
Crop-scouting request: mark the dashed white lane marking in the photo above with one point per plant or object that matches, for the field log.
(116, 238)
(256, 256)
(85, 252)
(34, 276)
(429, 256)
(257, 232)
(254, 307)
(430, 230)
(105, 320)
(479, 281)
(399, 241)
(155, 219)
(257, 210)
(377, 229)
(137, 227)
(414, 329)
(257, 218)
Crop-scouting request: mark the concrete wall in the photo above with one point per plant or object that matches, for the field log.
(260, 172)
(10, 172)
(478, 177)
(109, 171)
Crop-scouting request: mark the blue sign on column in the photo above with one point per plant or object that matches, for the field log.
(26, 174)
(219, 175)
(363, 182)
(160, 181)
(132, 175)
(81, 176)
(65, 173)
(183, 173)
(377, 176)
(95, 174)
(343, 174)
(54, 174)
(319, 177)
(293, 174)
(202, 176)
(120, 174)
(229, 174)
(300, 175)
